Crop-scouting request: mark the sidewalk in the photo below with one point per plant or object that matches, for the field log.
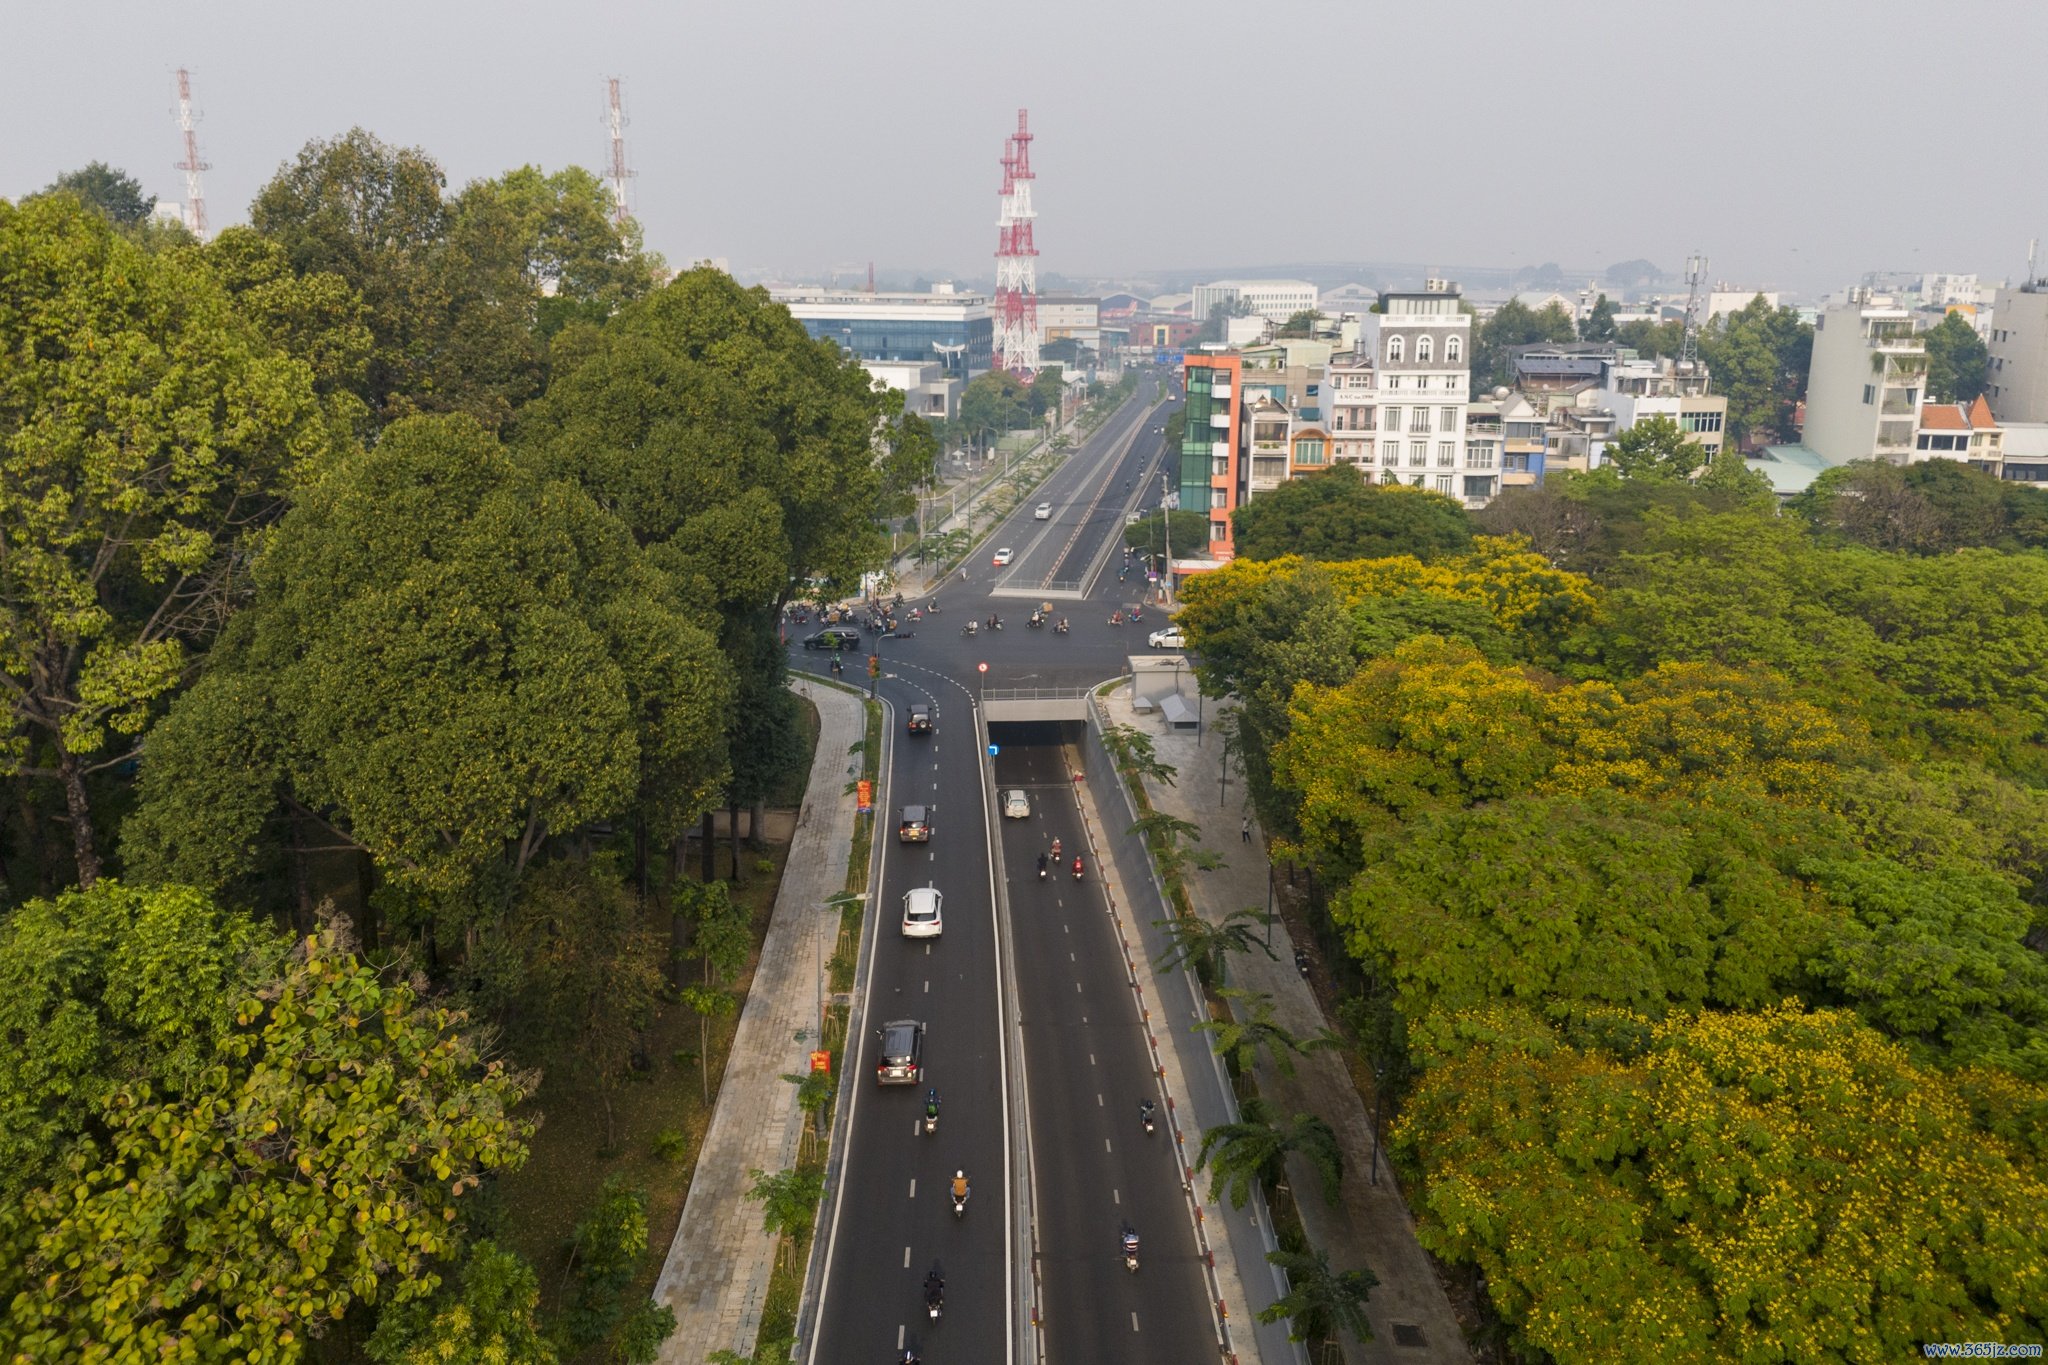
(716, 1274)
(1371, 1226)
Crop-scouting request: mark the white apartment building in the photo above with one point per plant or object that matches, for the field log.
(2018, 341)
(1351, 400)
(1863, 393)
(1274, 300)
(1944, 291)
(1662, 387)
(1723, 301)
(1421, 343)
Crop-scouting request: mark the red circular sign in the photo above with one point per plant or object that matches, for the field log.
(982, 667)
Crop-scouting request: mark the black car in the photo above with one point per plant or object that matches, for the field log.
(899, 1060)
(920, 719)
(836, 638)
(915, 827)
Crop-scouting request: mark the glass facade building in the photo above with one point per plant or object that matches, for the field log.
(1208, 447)
(951, 330)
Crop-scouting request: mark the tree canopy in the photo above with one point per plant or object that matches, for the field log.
(1958, 361)
(1336, 514)
(108, 189)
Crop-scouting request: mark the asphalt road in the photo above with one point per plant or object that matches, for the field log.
(1085, 1064)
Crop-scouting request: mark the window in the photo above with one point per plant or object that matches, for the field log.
(1218, 497)
(1394, 348)
(1446, 454)
(1393, 381)
(1219, 530)
(1870, 393)
(1446, 419)
(1365, 451)
(1443, 484)
(1418, 454)
(1479, 456)
(1454, 350)
(1308, 452)
(1390, 418)
(1699, 421)
(1418, 419)
(1515, 464)
(1425, 349)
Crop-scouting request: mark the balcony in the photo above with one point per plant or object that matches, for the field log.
(1219, 421)
(1220, 392)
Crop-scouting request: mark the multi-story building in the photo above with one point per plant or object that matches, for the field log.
(1351, 401)
(954, 330)
(1274, 300)
(1662, 387)
(1964, 432)
(2018, 341)
(1482, 447)
(927, 390)
(1420, 341)
(1070, 317)
(1209, 446)
(1863, 392)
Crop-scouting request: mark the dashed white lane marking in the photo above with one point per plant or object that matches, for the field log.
(913, 1195)
(1105, 1144)
(899, 1326)
(1070, 957)
(1098, 1099)
(1077, 988)
(1134, 1322)
(1115, 1197)
(906, 1266)
(1091, 1059)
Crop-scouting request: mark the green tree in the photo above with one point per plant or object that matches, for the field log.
(1958, 361)
(1599, 323)
(147, 434)
(1300, 325)
(1652, 338)
(1320, 1302)
(104, 991)
(111, 191)
(233, 1219)
(721, 940)
(1515, 324)
(1150, 535)
(316, 317)
(1251, 1029)
(789, 1204)
(556, 231)
(1131, 750)
(1654, 448)
(605, 1255)
(1636, 1192)
(1195, 942)
(1254, 1151)
(1336, 515)
(490, 1316)
(1759, 356)
(994, 402)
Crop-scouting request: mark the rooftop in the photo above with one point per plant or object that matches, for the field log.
(1791, 469)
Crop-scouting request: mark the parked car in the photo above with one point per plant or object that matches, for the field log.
(921, 912)
(1016, 805)
(915, 826)
(899, 1057)
(1042, 512)
(920, 722)
(1171, 637)
(1004, 556)
(839, 637)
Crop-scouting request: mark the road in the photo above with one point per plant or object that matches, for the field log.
(1044, 951)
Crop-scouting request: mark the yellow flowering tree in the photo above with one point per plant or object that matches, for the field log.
(1776, 1186)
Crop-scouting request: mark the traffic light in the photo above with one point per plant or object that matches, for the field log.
(874, 665)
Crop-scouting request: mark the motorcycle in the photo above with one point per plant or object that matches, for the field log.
(1036, 621)
(1061, 628)
(1145, 1115)
(1301, 962)
(1077, 869)
(995, 623)
(1116, 618)
(1130, 1249)
(1055, 850)
(931, 1111)
(969, 628)
(1041, 869)
(959, 1205)
(932, 606)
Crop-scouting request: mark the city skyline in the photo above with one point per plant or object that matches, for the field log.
(819, 137)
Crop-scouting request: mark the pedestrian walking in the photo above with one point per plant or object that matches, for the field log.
(1245, 830)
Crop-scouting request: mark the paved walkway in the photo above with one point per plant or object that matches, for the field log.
(716, 1274)
(1371, 1226)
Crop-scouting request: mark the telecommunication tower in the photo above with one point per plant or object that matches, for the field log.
(1695, 269)
(195, 196)
(615, 119)
(1016, 310)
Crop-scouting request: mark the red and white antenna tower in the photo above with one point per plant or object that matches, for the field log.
(615, 117)
(1016, 311)
(195, 197)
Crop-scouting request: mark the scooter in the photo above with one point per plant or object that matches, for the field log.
(1145, 1115)
(1077, 869)
(1130, 1245)
(959, 1205)
(968, 629)
(1061, 628)
(1301, 962)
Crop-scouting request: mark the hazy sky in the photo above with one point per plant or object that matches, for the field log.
(1798, 143)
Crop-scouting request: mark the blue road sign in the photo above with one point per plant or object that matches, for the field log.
(991, 751)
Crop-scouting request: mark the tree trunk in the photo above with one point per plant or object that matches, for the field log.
(732, 815)
(709, 851)
(302, 887)
(640, 856)
(678, 860)
(757, 820)
(75, 802)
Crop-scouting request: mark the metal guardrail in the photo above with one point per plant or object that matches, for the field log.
(1035, 693)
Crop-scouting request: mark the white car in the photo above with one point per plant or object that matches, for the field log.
(1004, 556)
(921, 913)
(1169, 638)
(1016, 805)
(1042, 512)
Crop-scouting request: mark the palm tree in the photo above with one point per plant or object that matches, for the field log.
(789, 1201)
(1255, 1148)
(1252, 1028)
(1320, 1301)
(1197, 942)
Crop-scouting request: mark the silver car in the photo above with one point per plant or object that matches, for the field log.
(1016, 805)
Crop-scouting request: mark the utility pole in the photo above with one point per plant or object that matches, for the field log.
(1166, 539)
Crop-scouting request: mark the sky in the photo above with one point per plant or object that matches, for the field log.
(1797, 143)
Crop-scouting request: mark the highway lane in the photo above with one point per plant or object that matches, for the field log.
(892, 1219)
(883, 1231)
(1088, 1068)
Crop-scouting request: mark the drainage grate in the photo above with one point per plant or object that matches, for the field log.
(1409, 1335)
